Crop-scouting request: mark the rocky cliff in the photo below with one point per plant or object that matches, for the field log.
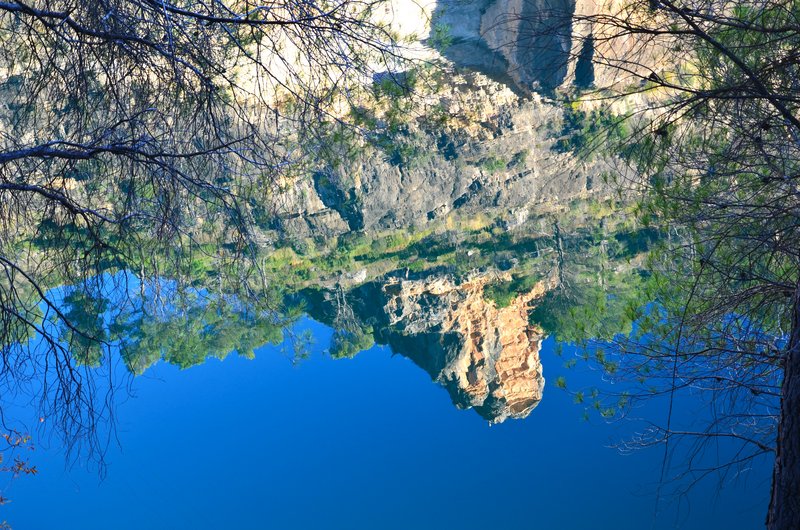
(482, 140)
(486, 357)
(493, 152)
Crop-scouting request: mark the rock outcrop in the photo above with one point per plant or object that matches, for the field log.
(499, 158)
(486, 357)
(544, 45)
(495, 149)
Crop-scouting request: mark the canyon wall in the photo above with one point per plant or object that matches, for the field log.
(485, 356)
(497, 154)
(503, 62)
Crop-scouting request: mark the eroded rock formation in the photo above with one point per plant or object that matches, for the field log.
(486, 357)
(497, 148)
(501, 158)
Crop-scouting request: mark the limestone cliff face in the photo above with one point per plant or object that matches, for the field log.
(495, 151)
(487, 357)
(498, 157)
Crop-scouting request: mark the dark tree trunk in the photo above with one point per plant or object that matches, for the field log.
(784, 504)
(560, 249)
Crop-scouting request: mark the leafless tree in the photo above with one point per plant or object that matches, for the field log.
(144, 135)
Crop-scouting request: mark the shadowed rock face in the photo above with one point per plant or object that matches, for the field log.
(486, 357)
(526, 44)
(535, 36)
(545, 45)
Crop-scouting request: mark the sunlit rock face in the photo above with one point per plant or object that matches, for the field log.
(487, 357)
(452, 173)
(495, 151)
(497, 148)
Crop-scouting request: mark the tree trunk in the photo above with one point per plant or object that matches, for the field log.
(560, 249)
(784, 504)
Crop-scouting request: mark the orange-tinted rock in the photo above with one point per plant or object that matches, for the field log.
(487, 357)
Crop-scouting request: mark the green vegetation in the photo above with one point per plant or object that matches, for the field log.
(592, 132)
(347, 344)
(519, 159)
(440, 37)
(594, 310)
(194, 327)
(493, 164)
(199, 331)
(502, 294)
